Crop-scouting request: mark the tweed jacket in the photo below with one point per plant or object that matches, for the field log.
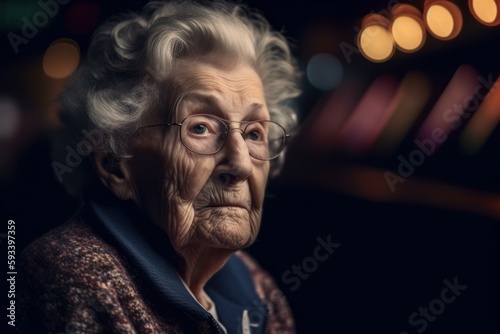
(104, 271)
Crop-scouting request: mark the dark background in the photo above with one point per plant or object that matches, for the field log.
(396, 248)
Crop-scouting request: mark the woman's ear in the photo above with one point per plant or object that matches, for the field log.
(114, 174)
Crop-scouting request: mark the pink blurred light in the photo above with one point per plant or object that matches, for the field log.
(9, 118)
(372, 113)
(413, 94)
(448, 112)
(484, 121)
(323, 133)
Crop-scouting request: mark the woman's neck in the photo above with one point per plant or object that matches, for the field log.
(196, 265)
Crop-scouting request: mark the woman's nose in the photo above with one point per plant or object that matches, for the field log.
(235, 163)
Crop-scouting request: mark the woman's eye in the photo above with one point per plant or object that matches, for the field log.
(254, 135)
(199, 129)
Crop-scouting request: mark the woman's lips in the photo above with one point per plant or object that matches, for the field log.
(234, 205)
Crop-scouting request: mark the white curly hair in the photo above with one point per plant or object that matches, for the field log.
(131, 59)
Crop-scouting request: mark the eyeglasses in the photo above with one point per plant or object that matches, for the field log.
(206, 134)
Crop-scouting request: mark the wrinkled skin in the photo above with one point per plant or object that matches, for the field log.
(209, 205)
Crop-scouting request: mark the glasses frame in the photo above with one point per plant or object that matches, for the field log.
(226, 134)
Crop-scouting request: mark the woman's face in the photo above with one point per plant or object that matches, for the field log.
(213, 200)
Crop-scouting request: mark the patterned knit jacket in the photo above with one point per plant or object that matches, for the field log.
(99, 273)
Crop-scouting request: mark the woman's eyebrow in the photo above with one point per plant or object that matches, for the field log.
(255, 107)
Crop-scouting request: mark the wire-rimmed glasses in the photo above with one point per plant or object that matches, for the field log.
(206, 134)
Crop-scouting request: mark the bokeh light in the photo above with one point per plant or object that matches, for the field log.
(415, 90)
(361, 130)
(483, 122)
(447, 113)
(9, 117)
(326, 119)
(376, 43)
(61, 58)
(407, 28)
(12, 13)
(485, 11)
(324, 71)
(443, 19)
(374, 40)
(440, 21)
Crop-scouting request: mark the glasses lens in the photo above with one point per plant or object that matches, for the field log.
(206, 134)
(203, 134)
(265, 139)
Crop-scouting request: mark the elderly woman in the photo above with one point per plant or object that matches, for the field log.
(179, 116)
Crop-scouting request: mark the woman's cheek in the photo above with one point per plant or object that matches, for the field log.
(258, 183)
(190, 172)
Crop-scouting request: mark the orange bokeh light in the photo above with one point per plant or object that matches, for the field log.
(375, 40)
(407, 28)
(443, 19)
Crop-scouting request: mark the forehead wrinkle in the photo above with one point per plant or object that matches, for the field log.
(221, 82)
(220, 90)
(214, 102)
(211, 77)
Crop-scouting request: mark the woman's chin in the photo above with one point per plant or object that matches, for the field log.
(228, 234)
